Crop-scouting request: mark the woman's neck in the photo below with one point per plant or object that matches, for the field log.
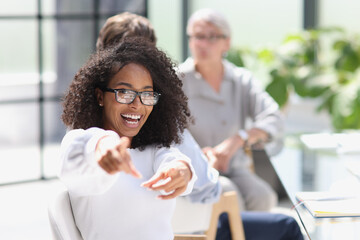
(213, 73)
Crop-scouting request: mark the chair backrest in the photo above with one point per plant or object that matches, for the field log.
(61, 218)
(229, 204)
(63, 226)
(199, 213)
(191, 217)
(206, 217)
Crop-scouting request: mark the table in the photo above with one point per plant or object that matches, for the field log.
(323, 168)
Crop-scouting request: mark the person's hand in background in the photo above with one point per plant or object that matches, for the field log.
(256, 135)
(220, 155)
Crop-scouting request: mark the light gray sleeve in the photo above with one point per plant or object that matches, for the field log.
(264, 112)
(207, 188)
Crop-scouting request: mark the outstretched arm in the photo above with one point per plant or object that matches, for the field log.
(112, 155)
(173, 179)
(82, 154)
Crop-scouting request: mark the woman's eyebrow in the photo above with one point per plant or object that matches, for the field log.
(148, 87)
(124, 84)
(131, 86)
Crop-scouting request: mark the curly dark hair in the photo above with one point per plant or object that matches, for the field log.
(170, 115)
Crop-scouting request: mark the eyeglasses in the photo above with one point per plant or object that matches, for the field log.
(210, 38)
(126, 96)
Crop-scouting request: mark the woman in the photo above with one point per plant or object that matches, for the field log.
(224, 99)
(207, 187)
(127, 107)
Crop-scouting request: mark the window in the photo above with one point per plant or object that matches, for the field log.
(44, 43)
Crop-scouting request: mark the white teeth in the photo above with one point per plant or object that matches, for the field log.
(135, 117)
(131, 122)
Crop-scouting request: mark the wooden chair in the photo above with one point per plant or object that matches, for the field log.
(228, 203)
(190, 237)
(248, 151)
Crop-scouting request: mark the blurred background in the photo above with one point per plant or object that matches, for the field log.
(44, 42)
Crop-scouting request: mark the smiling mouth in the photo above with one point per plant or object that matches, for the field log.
(131, 118)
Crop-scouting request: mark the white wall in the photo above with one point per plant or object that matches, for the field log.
(344, 13)
(165, 15)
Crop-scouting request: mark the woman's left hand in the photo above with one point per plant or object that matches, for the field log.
(172, 179)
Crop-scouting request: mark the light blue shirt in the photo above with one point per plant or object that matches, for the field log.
(207, 188)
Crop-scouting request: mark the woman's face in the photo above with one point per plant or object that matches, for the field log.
(126, 119)
(207, 42)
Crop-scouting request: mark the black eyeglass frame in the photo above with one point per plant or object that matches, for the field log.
(156, 95)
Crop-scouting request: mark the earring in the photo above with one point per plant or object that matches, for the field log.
(100, 104)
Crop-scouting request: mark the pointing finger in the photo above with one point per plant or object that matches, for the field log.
(154, 179)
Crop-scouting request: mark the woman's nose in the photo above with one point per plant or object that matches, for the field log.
(137, 102)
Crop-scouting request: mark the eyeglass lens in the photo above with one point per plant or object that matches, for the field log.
(128, 96)
(209, 38)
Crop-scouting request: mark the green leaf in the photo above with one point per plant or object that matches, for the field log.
(235, 56)
(339, 45)
(266, 55)
(317, 91)
(278, 90)
(346, 108)
(326, 102)
(349, 62)
(294, 37)
(299, 87)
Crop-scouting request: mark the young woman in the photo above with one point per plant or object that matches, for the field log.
(207, 188)
(126, 107)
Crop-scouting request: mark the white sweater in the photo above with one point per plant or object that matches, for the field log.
(116, 206)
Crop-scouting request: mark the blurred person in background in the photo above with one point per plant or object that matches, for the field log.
(223, 100)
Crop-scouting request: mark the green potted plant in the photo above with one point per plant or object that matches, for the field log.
(322, 63)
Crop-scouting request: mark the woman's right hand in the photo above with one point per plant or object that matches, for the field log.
(112, 156)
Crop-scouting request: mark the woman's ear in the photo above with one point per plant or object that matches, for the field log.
(99, 96)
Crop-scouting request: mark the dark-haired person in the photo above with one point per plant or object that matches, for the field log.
(207, 188)
(125, 107)
(126, 25)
